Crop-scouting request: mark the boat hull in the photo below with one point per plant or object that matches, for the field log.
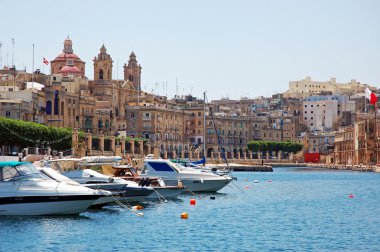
(46, 205)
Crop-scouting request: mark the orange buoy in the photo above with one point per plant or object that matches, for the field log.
(192, 201)
(246, 187)
(184, 215)
(139, 207)
(351, 196)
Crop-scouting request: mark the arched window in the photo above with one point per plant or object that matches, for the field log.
(108, 75)
(48, 107)
(56, 103)
(101, 74)
(130, 78)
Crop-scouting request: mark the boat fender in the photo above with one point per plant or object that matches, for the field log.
(111, 180)
(180, 184)
(142, 182)
(148, 182)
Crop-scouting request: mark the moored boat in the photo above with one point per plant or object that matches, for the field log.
(128, 191)
(195, 180)
(26, 191)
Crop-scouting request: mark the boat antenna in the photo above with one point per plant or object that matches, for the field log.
(1, 59)
(204, 125)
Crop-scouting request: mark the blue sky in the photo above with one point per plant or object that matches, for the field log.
(228, 48)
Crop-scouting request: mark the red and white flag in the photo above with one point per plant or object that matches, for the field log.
(370, 96)
(46, 62)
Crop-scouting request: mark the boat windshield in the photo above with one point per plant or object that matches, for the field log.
(20, 172)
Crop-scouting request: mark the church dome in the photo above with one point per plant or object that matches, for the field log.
(70, 70)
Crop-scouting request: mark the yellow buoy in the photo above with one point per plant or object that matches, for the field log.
(184, 215)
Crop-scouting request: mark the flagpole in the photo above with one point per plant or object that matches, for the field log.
(377, 147)
(33, 70)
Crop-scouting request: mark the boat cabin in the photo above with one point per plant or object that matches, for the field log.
(12, 171)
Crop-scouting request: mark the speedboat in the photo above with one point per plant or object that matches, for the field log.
(109, 197)
(194, 180)
(128, 191)
(161, 190)
(26, 191)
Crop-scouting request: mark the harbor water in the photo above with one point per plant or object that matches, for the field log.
(290, 209)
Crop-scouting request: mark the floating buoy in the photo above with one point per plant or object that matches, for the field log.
(184, 215)
(140, 214)
(192, 201)
(351, 196)
(212, 197)
(138, 207)
(246, 187)
(269, 181)
(255, 181)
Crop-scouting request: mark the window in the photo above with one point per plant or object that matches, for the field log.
(48, 107)
(312, 112)
(132, 114)
(305, 106)
(101, 74)
(199, 114)
(305, 118)
(7, 113)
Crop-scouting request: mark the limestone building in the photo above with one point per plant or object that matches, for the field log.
(307, 87)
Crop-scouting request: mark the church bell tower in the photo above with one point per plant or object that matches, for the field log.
(103, 66)
(132, 72)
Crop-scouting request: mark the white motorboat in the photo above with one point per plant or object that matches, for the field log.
(129, 191)
(110, 197)
(194, 180)
(26, 191)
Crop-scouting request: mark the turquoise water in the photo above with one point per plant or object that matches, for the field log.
(300, 210)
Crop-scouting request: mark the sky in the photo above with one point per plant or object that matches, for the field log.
(230, 49)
